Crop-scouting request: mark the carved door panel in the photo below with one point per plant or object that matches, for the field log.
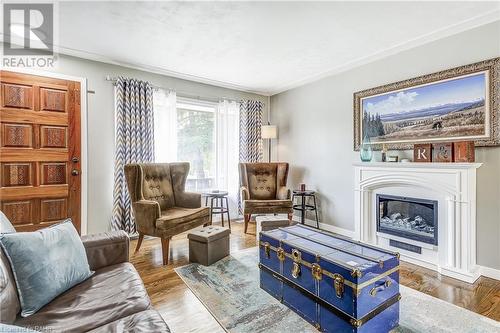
(39, 150)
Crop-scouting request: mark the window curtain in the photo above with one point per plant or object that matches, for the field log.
(250, 149)
(228, 151)
(165, 114)
(250, 143)
(134, 142)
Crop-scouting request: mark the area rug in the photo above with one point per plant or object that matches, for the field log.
(230, 290)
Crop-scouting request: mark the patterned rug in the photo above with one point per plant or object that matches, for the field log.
(230, 290)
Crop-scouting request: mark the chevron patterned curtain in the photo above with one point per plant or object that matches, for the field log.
(250, 125)
(250, 140)
(134, 142)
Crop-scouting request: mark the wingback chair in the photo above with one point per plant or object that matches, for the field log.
(263, 189)
(162, 208)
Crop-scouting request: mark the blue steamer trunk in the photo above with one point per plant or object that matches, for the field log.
(336, 284)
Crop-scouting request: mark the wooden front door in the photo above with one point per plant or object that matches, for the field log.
(39, 150)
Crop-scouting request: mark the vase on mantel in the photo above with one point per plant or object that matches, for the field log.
(365, 150)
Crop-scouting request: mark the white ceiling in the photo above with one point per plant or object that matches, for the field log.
(263, 47)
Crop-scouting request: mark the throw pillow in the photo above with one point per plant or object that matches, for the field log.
(45, 263)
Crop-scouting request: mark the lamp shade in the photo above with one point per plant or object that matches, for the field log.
(269, 132)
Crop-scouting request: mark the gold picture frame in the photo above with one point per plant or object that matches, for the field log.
(488, 69)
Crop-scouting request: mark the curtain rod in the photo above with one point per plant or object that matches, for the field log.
(181, 93)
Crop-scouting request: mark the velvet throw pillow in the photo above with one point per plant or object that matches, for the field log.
(45, 263)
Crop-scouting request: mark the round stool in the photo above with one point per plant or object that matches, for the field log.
(220, 197)
(303, 207)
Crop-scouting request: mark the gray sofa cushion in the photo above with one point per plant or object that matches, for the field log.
(112, 293)
(142, 322)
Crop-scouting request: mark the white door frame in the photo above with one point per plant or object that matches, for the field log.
(83, 124)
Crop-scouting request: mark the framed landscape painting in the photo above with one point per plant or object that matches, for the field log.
(452, 105)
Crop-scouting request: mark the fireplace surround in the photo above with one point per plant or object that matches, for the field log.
(451, 187)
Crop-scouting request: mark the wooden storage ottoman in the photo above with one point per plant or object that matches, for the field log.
(208, 245)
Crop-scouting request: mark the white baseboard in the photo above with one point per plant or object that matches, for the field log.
(490, 272)
(328, 227)
(483, 270)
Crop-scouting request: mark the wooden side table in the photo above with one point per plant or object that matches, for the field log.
(220, 197)
(303, 207)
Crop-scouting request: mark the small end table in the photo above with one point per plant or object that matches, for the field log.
(219, 197)
(303, 207)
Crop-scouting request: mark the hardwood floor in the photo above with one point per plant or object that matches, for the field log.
(184, 312)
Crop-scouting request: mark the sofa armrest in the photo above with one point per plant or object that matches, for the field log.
(105, 249)
(188, 199)
(283, 193)
(244, 193)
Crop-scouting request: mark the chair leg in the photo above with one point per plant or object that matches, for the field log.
(290, 217)
(139, 242)
(247, 219)
(316, 211)
(222, 210)
(228, 218)
(165, 247)
(212, 209)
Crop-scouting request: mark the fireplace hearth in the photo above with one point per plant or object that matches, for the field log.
(411, 218)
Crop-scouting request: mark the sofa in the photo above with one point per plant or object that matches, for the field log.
(113, 299)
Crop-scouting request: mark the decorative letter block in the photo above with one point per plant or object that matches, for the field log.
(422, 152)
(442, 152)
(463, 151)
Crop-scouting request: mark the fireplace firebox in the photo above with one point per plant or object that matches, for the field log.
(410, 218)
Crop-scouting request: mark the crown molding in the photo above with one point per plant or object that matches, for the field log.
(150, 69)
(471, 23)
(157, 70)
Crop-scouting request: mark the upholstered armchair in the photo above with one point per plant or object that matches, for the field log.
(162, 208)
(263, 189)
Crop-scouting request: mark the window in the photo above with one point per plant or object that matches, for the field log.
(203, 133)
(196, 142)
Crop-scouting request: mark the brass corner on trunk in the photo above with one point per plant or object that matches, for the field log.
(356, 323)
(356, 273)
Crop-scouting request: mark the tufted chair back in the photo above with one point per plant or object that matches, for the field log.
(263, 180)
(157, 182)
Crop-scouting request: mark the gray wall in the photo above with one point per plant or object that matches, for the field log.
(100, 116)
(316, 130)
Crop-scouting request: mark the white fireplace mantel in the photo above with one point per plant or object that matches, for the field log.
(453, 185)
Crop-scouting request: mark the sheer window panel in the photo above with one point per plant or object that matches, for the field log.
(196, 142)
(228, 151)
(165, 124)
